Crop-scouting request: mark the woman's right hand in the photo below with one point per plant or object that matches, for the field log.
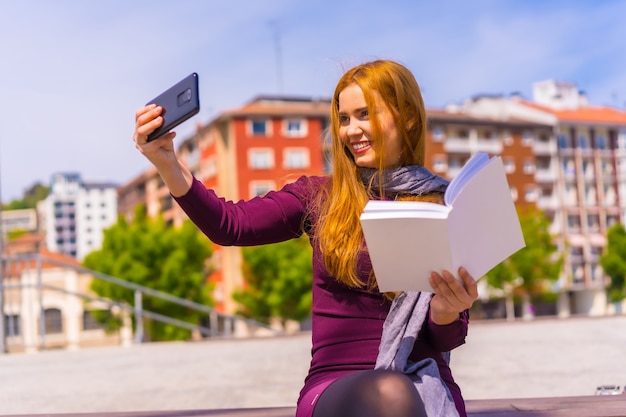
(161, 150)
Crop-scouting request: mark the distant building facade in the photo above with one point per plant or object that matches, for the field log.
(580, 179)
(76, 213)
(18, 220)
(561, 155)
(242, 153)
(48, 302)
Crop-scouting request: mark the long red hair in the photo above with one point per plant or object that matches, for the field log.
(338, 230)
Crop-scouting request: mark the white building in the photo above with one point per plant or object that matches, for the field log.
(580, 171)
(76, 212)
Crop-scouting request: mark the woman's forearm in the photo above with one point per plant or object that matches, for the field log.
(176, 176)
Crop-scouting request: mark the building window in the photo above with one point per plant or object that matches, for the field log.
(596, 272)
(507, 138)
(611, 220)
(593, 222)
(438, 135)
(12, 324)
(591, 195)
(91, 322)
(621, 139)
(53, 320)
(596, 251)
(486, 135)
(576, 254)
(259, 128)
(509, 165)
(527, 138)
(543, 138)
(569, 167)
(261, 158)
(440, 163)
(573, 223)
(610, 195)
(531, 194)
(582, 142)
(600, 142)
(294, 128)
(463, 134)
(606, 168)
(259, 188)
(529, 167)
(296, 158)
(563, 141)
(578, 274)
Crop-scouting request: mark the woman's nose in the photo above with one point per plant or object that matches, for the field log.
(354, 128)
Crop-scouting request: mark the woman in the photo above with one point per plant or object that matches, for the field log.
(378, 126)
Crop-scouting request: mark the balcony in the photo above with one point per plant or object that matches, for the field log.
(545, 175)
(457, 145)
(544, 148)
(548, 203)
(492, 146)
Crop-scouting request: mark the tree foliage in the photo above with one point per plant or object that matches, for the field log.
(534, 268)
(150, 253)
(613, 261)
(278, 280)
(30, 199)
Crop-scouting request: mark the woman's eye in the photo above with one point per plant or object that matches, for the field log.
(344, 119)
(365, 114)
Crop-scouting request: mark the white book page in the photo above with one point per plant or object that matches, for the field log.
(404, 251)
(474, 164)
(376, 209)
(484, 224)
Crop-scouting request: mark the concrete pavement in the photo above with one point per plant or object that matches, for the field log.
(540, 358)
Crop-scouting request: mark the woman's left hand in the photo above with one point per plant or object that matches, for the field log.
(451, 295)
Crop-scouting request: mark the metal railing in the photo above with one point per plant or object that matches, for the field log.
(217, 324)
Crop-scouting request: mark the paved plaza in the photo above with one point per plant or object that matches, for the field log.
(539, 358)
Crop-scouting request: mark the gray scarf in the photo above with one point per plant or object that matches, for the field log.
(409, 310)
(406, 317)
(411, 179)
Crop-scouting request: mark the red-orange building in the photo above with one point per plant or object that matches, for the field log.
(244, 152)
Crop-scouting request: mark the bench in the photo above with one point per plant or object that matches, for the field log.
(586, 406)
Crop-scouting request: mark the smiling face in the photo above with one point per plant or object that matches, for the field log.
(356, 130)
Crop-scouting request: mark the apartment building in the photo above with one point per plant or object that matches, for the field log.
(242, 153)
(579, 170)
(47, 301)
(565, 158)
(75, 214)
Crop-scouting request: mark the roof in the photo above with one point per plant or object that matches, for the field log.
(281, 106)
(590, 114)
(462, 117)
(31, 244)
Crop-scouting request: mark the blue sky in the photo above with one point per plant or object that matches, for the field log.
(73, 73)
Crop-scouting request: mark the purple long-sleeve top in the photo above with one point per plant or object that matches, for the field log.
(347, 322)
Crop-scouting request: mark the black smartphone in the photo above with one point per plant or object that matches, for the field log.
(179, 102)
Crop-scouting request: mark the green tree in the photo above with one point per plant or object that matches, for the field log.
(30, 199)
(278, 280)
(533, 270)
(613, 261)
(150, 253)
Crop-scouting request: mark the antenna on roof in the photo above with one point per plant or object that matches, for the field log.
(279, 72)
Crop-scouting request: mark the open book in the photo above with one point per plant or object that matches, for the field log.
(477, 228)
